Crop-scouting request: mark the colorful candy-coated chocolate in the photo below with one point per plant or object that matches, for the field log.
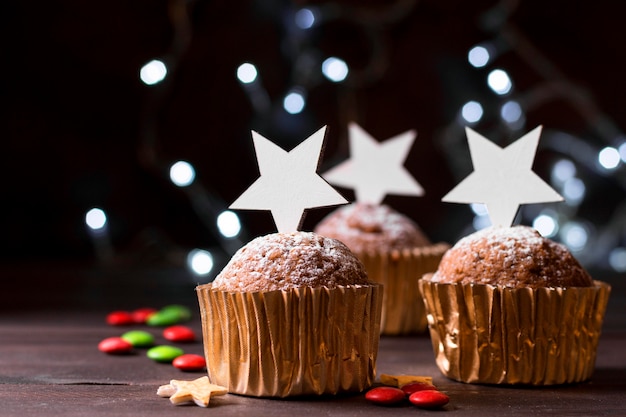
(139, 338)
(140, 316)
(115, 346)
(412, 387)
(429, 399)
(179, 333)
(385, 395)
(169, 315)
(190, 362)
(119, 318)
(164, 353)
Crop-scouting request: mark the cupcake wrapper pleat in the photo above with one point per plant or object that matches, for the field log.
(293, 342)
(399, 272)
(495, 335)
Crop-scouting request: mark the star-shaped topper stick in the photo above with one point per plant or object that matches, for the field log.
(503, 178)
(374, 168)
(289, 183)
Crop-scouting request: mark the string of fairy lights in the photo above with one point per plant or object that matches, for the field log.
(602, 246)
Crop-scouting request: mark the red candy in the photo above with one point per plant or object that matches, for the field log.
(385, 395)
(412, 387)
(141, 314)
(429, 399)
(119, 318)
(115, 346)
(189, 362)
(179, 333)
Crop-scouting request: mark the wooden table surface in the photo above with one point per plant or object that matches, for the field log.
(50, 365)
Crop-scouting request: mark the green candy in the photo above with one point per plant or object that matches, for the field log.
(164, 353)
(138, 338)
(172, 314)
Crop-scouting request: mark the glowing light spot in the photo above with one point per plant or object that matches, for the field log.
(478, 56)
(562, 171)
(335, 69)
(499, 81)
(472, 111)
(481, 222)
(305, 18)
(228, 224)
(294, 102)
(479, 209)
(153, 72)
(511, 112)
(96, 219)
(574, 236)
(546, 225)
(574, 190)
(617, 259)
(247, 73)
(609, 158)
(622, 151)
(182, 173)
(200, 261)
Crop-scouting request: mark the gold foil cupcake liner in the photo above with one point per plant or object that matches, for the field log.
(399, 271)
(496, 335)
(304, 341)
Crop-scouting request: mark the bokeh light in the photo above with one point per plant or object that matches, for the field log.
(182, 173)
(609, 158)
(478, 56)
(247, 73)
(472, 111)
(200, 261)
(335, 69)
(294, 102)
(96, 219)
(153, 72)
(228, 224)
(499, 81)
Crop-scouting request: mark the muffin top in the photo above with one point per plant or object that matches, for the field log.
(371, 228)
(282, 261)
(514, 257)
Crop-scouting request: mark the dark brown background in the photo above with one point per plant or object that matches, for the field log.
(79, 129)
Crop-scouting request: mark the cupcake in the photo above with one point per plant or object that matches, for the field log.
(395, 252)
(508, 306)
(291, 314)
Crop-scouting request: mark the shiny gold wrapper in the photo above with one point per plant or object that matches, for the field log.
(497, 335)
(399, 272)
(304, 341)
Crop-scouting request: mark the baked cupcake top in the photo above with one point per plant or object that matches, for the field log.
(371, 228)
(511, 257)
(281, 261)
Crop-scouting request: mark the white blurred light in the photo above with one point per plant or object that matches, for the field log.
(305, 18)
(562, 171)
(480, 222)
(153, 72)
(499, 81)
(247, 73)
(472, 111)
(617, 259)
(546, 225)
(294, 102)
(335, 69)
(479, 209)
(96, 219)
(228, 223)
(200, 261)
(609, 158)
(574, 236)
(478, 56)
(574, 190)
(511, 111)
(622, 151)
(182, 173)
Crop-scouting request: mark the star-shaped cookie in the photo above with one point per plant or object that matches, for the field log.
(502, 178)
(198, 390)
(375, 169)
(289, 183)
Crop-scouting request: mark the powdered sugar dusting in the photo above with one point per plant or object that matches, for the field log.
(513, 257)
(372, 228)
(291, 260)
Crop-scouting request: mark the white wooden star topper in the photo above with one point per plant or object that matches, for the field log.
(503, 178)
(375, 169)
(289, 183)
